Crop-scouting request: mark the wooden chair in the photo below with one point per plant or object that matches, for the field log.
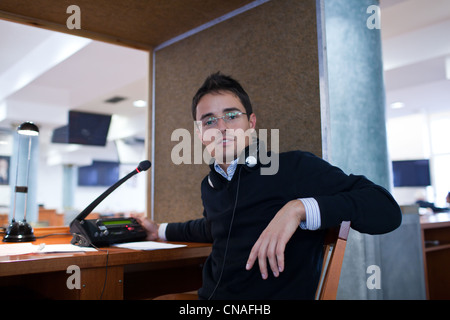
(334, 249)
(192, 295)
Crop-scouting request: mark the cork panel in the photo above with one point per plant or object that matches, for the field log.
(272, 51)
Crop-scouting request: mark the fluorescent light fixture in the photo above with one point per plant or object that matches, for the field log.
(397, 105)
(140, 103)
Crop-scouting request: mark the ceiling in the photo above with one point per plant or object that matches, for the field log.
(416, 53)
(43, 74)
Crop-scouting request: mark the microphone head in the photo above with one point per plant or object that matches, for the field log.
(144, 165)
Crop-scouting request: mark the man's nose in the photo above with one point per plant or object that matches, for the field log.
(222, 125)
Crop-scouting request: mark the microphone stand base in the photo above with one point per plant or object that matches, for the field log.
(19, 231)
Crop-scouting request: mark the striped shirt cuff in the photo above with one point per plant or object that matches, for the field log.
(162, 231)
(313, 221)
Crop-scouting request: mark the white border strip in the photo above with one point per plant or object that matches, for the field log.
(207, 25)
(185, 35)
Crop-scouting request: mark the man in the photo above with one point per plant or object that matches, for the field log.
(276, 221)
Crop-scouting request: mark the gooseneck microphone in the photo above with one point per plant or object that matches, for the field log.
(89, 229)
(143, 166)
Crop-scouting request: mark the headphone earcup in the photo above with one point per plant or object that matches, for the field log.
(210, 182)
(251, 161)
(215, 181)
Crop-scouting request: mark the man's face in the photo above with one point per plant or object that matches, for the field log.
(223, 126)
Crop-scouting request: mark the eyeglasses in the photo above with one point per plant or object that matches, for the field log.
(211, 122)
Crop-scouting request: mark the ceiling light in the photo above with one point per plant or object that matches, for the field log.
(397, 105)
(140, 104)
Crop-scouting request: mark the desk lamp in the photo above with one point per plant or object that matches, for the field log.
(21, 231)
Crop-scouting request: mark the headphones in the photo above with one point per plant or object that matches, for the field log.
(251, 161)
(229, 231)
(216, 181)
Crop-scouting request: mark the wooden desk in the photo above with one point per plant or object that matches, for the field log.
(436, 254)
(129, 274)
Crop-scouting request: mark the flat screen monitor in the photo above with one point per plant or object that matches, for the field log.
(100, 173)
(84, 128)
(411, 173)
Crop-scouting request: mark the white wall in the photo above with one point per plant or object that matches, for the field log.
(6, 142)
(129, 197)
(422, 136)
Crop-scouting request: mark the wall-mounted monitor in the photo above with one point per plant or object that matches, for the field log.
(84, 128)
(411, 173)
(99, 173)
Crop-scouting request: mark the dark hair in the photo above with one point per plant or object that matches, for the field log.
(217, 83)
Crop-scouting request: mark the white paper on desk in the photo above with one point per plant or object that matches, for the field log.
(53, 248)
(16, 248)
(148, 245)
(25, 248)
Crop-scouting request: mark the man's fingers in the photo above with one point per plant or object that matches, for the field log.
(280, 256)
(259, 251)
(267, 250)
(272, 257)
(272, 242)
(262, 260)
(252, 257)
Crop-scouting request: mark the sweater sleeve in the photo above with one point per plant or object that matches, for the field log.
(197, 230)
(369, 208)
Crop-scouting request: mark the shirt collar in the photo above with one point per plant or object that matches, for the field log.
(230, 170)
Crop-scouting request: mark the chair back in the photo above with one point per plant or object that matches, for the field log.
(334, 249)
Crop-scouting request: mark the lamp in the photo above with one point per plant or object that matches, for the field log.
(28, 129)
(21, 231)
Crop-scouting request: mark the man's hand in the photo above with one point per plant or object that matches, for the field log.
(272, 242)
(151, 227)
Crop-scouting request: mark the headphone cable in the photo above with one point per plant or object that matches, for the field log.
(229, 234)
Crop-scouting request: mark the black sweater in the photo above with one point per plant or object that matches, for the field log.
(369, 208)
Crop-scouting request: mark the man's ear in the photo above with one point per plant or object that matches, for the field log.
(252, 121)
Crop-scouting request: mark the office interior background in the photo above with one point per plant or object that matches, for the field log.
(45, 74)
